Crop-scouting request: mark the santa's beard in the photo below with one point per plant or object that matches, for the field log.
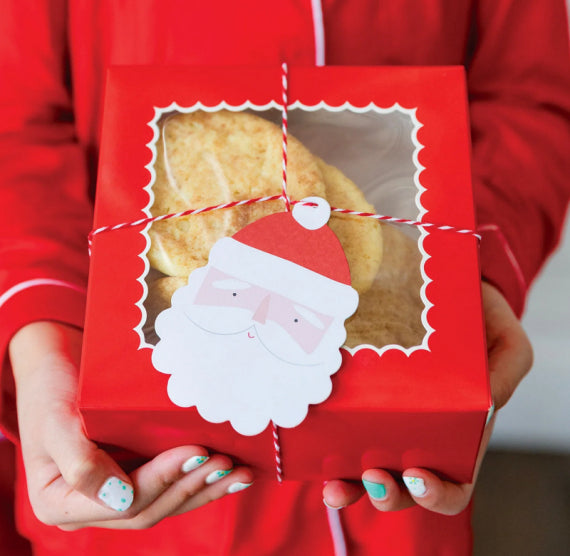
(233, 375)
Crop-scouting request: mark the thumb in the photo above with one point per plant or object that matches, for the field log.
(89, 470)
(63, 467)
(70, 479)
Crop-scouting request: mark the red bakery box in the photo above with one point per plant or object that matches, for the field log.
(295, 285)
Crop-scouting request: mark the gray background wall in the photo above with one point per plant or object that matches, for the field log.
(538, 415)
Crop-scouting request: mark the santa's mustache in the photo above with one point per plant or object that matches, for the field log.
(272, 337)
(232, 377)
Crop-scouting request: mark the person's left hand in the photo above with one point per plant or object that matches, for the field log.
(510, 359)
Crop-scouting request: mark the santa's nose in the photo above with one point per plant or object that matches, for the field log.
(260, 314)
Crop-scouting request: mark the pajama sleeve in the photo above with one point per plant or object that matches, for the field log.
(519, 83)
(45, 213)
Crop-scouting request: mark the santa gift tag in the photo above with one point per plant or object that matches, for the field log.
(255, 335)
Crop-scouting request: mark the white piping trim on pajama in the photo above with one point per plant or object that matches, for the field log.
(337, 533)
(508, 251)
(319, 32)
(22, 286)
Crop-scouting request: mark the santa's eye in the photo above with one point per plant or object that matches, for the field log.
(234, 294)
(310, 317)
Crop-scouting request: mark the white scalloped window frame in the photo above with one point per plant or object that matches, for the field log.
(409, 112)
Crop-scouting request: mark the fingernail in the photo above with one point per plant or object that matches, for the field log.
(236, 487)
(415, 485)
(193, 463)
(332, 507)
(215, 476)
(490, 413)
(376, 491)
(116, 494)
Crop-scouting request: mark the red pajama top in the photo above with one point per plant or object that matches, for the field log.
(53, 57)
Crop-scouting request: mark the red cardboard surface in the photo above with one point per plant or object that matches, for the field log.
(393, 409)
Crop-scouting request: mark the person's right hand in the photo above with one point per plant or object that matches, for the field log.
(71, 482)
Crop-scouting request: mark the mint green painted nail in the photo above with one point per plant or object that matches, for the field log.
(376, 491)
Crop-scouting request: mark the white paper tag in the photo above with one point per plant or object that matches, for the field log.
(256, 334)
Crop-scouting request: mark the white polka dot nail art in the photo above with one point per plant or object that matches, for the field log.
(415, 485)
(116, 494)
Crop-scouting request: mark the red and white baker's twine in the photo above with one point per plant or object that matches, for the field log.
(284, 128)
(417, 223)
(288, 203)
(277, 453)
(232, 204)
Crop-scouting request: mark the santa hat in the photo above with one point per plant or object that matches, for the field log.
(294, 254)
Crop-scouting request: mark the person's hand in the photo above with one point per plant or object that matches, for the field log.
(71, 482)
(510, 358)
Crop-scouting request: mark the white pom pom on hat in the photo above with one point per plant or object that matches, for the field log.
(312, 212)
